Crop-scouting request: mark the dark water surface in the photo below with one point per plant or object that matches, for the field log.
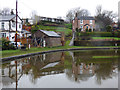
(71, 69)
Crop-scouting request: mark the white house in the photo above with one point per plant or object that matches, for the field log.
(8, 26)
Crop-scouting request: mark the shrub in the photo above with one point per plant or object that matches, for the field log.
(109, 28)
(69, 25)
(86, 30)
(80, 30)
(6, 45)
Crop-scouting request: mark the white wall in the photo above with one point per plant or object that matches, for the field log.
(6, 27)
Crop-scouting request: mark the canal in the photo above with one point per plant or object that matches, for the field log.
(70, 69)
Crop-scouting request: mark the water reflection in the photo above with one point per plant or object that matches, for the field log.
(77, 66)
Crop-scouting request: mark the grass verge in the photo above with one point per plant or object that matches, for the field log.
(8, 53)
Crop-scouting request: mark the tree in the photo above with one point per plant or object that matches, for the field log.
(70, 16)
(109, 28)
(104, 18)
(35, 17)
(6, 11)
(80, 12)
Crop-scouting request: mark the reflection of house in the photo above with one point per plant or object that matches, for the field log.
(82, 71)
(8, 26)
(48, 38)
(83, 68)
(83, 23)
(9, 73)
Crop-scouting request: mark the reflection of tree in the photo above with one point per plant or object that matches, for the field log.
(119, 60)
(103, 72)
(39, 61)
(74, 73)
(102, 68)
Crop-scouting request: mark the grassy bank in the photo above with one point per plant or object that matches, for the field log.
(115, 38)
(8, 53)
(57, 29)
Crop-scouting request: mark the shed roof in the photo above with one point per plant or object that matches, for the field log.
(86, 18)
(50, 33)
(6, 17)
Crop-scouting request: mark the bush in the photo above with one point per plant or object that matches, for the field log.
(109, 28)
(87, 30)
(6, 45)
(69, 25)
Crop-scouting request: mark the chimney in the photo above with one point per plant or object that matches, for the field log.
(76, 15)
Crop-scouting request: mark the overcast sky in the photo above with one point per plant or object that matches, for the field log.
(55, 8)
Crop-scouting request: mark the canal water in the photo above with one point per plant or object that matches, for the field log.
(71, 69)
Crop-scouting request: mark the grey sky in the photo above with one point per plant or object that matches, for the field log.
(54, 8)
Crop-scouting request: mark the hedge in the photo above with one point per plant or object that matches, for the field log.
(99, 34)
(96, 43)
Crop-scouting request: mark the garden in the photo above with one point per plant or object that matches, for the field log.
(97, 38)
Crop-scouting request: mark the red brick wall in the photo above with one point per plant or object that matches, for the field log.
(75, 22)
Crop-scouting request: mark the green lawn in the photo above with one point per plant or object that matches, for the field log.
(106, 38)
(105, 56)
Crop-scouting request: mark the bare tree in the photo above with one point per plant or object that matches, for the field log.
(33, 14)
(5, 11)
(99, 10)
(0, 12)
(35, 17)
(104, 17)
(70, 16)
(80, 12)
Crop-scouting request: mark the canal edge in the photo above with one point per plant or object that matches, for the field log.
(11, 58)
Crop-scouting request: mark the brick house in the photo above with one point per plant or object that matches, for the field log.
(83, 22)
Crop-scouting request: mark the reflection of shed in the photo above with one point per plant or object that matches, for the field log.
(48, 38)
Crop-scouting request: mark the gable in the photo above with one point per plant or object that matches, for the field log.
(9, 18)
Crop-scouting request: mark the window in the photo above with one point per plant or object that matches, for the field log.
(13, 24)
(2, 25)
(81, 27)
(3, 34)
(90, 21)
(19, 25)
(81, 21)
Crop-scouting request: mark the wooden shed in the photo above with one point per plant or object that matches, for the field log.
(47, 38)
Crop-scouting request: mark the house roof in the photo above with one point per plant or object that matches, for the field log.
(50, 33)
(6, 17)
(86, 18)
